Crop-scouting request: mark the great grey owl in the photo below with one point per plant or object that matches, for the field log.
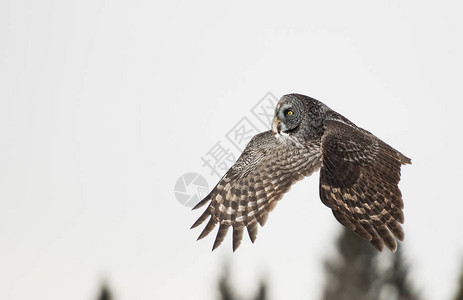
(359, 175)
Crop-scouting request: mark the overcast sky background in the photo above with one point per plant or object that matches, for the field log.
(105, 104)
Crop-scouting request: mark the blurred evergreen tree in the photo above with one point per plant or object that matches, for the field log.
(395, 284)
(105, 293)
(352, 275)
(224, 286)
(459, 294)
(226, 291)
(360, 272)
(262, 291)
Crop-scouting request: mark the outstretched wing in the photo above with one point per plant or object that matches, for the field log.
(253, 185)
(359, 180)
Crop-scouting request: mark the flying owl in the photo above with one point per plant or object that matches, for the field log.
(359, 175)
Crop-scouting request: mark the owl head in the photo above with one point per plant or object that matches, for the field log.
(299, 116)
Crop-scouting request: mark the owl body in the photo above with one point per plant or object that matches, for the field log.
(359, 175)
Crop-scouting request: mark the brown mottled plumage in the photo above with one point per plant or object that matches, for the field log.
(359, 175)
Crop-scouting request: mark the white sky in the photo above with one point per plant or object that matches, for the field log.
(104, 104)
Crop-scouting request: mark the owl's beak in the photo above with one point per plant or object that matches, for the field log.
(276, 125)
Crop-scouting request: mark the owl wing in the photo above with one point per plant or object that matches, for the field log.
(359, 180)
(251, 188)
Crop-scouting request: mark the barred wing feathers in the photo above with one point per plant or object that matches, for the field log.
(359, 180)
(251, 188)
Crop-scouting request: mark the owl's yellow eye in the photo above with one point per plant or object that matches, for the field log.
(290, 112)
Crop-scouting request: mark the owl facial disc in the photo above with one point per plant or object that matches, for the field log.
(288, 116)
